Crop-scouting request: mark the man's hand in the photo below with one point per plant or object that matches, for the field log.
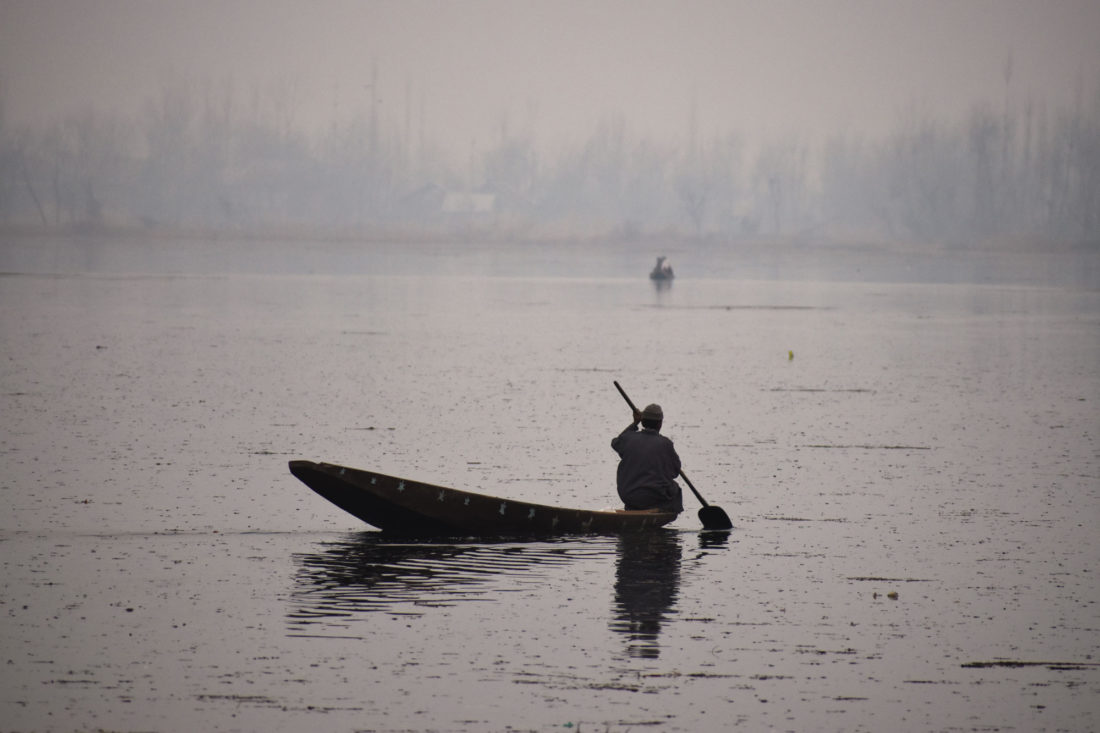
(637, 417)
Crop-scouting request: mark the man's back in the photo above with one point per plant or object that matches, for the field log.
(648, 465)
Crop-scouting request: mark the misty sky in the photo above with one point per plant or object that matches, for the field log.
(554, 69)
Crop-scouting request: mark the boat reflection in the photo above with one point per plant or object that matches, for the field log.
(346, 581)
(369, 573)
(647, 583)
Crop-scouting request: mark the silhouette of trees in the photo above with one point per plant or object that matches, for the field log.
(195, 158)
(779, 186)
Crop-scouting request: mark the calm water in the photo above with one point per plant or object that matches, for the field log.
(913, 469)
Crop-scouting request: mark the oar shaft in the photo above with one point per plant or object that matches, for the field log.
(693, 489)
(623, 393)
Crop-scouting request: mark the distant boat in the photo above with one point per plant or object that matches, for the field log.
(662, 270)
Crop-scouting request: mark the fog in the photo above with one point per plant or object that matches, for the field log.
(556, 68)
(458, 95)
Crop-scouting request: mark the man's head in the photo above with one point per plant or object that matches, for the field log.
(652, 417)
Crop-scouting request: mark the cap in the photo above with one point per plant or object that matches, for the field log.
(653, 412)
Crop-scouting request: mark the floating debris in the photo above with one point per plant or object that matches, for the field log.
(878, 579)
(869, 447)
(851, 390)
(1016, 664)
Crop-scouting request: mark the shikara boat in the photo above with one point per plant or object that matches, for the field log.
(662, 270)
(405, 507)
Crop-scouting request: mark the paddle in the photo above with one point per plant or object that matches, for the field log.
(711, 516)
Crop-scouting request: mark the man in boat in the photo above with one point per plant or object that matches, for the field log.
(648, 464)
(662, 270)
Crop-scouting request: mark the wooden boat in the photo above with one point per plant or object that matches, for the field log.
(662, 270)
(405, 507)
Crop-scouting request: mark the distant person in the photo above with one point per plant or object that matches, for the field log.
(662, 270)
(648, 464)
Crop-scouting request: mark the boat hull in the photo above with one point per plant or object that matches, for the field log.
(402, 506)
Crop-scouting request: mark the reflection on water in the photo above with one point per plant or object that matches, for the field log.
(647, 582)
(367, 572)
(714, 539)
(347, 580)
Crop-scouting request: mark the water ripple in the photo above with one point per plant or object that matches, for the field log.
(366, 573)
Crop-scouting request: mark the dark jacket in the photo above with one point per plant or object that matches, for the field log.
(646, 471)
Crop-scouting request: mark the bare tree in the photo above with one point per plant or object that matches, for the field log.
(780, 183)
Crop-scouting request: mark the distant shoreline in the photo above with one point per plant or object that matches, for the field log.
(658, 242)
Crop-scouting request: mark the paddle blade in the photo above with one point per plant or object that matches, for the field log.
(714, 517)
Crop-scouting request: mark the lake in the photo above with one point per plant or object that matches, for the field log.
(908, 446)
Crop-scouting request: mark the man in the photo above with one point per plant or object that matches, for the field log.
(648, 464)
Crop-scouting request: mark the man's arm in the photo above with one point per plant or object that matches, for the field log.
(631, 428)
(634, 425)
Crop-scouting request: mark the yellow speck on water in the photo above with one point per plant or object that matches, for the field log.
(892, 595)
(790, 356)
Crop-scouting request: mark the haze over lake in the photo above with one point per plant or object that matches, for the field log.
(555, 70)
(848, 121)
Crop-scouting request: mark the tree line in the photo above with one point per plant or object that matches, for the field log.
(194, 161)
